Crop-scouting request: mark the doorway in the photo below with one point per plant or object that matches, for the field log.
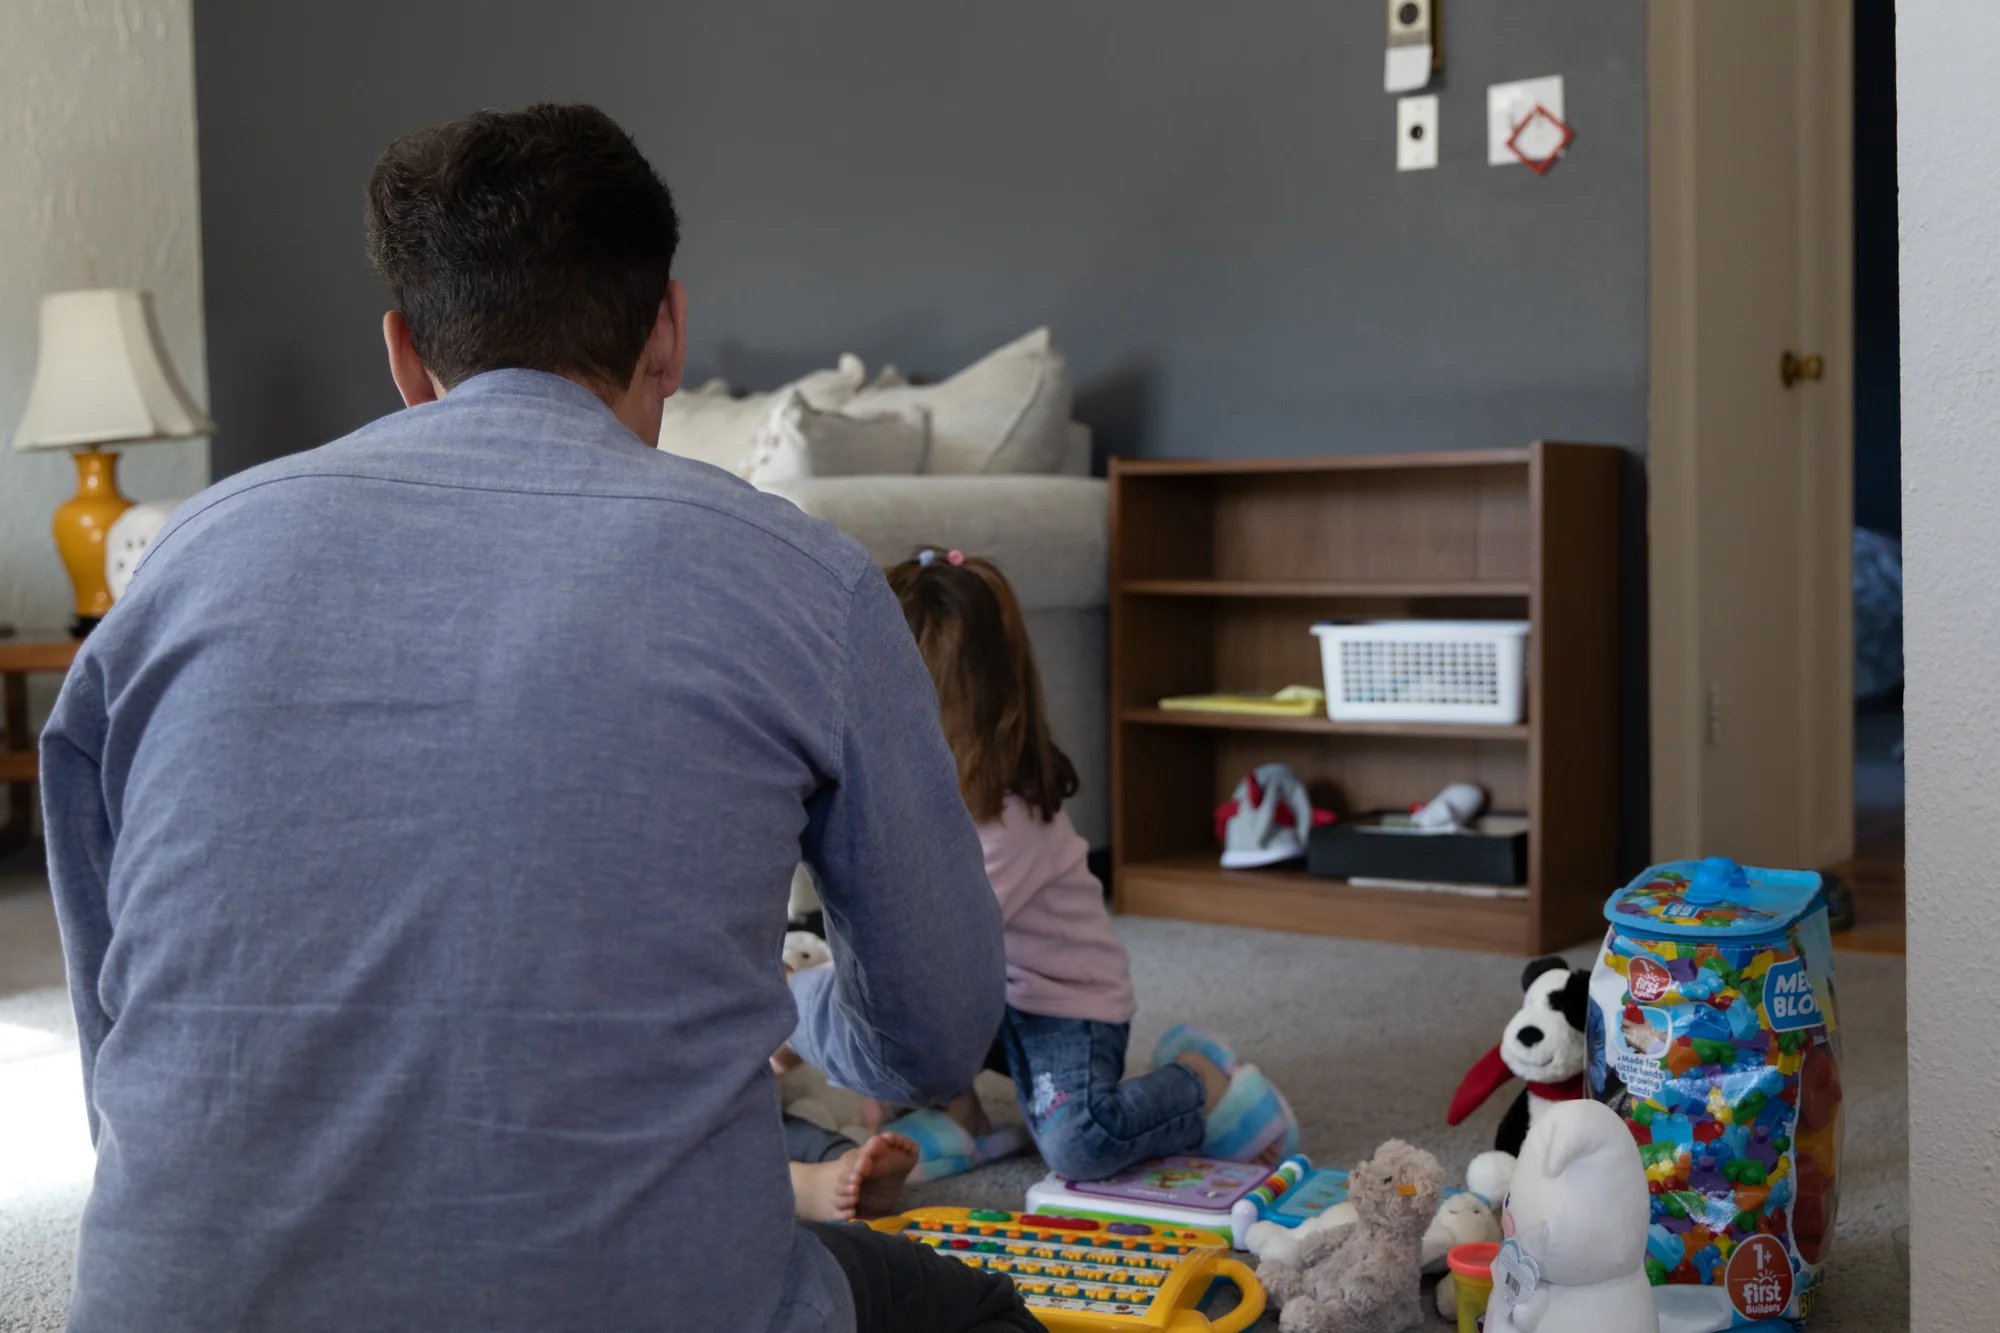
(1773, 462)
(1876, 872)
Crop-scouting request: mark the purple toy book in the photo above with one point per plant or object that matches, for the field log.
(1183, 1182)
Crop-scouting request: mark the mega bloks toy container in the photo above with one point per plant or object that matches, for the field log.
(1712, 1030)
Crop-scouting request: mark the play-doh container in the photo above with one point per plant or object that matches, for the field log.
(1472, 1274)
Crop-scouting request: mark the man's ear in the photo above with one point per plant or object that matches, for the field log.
(667, 349)
(413, 379)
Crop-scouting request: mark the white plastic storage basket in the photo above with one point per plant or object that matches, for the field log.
(1425, 670)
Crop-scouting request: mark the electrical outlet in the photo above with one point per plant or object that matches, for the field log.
(1508, 104)
(1416, 132)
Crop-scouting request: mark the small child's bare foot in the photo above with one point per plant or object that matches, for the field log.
(826, 1191)
(970, 1114)
(1214, 1083)
(878, 1169)
(785, 1060)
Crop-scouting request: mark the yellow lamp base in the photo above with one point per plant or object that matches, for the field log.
(81, 524)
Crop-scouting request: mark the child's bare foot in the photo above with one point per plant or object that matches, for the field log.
(866, 1180)
(826, 1191)
(970, 1114)
(878, 1169)
(1214, 1083)
(785, 1060)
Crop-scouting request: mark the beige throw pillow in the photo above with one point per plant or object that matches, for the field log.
(1008, 412)
(706, 423)
(797, 442)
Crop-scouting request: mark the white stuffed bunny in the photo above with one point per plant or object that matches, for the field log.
(1575, 1221)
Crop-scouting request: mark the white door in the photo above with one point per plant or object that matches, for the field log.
(1750, 130)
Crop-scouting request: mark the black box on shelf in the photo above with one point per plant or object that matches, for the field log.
(1383, 845)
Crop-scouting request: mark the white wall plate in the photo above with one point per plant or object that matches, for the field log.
(1416, 132)
(1508, 104)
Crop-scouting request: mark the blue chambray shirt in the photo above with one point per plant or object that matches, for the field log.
(420, 825)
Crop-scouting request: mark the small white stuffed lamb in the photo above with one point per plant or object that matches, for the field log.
(1575, 1221)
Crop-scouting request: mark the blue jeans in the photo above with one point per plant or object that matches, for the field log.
(1087, 1122)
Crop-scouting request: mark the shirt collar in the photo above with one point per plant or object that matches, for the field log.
(522, 383)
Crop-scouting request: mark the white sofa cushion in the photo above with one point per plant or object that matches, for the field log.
(1006, 413)
(708, 424)
(797, 441)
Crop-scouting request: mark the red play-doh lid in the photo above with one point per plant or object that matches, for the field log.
(1473, 1260)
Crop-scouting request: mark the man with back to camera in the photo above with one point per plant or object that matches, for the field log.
(421, 820)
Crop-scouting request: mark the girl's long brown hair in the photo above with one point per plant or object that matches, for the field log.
(969, 629)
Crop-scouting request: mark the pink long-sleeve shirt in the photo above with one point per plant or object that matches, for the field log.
(1063, 961)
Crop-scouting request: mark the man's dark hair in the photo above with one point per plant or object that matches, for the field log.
(538, 238)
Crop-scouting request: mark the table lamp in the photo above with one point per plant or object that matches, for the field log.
(101, 378)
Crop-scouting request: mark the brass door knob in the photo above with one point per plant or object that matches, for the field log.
(1792, 368)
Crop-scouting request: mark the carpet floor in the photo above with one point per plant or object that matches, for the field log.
(1367, 1041)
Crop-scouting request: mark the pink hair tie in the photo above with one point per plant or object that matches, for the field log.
(956, 557)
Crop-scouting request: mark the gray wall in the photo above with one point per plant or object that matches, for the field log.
(1949, 121)
(1200, 198)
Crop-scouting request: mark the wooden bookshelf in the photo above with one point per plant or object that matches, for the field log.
(1323, 725)
(1219, 570)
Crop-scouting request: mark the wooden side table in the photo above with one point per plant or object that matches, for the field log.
(22, 655)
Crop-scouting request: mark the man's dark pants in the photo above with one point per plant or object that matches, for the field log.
(902, 1287)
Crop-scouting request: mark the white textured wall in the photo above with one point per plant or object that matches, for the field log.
(97, 182)
(1948, 118)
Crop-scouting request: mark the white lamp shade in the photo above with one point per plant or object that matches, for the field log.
(101, 377)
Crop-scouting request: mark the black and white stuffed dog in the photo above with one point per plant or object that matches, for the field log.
(1544, 1046)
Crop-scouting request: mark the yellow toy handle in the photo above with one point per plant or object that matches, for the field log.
(1248, 1310)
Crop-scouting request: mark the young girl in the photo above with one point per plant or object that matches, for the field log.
(1069, 986)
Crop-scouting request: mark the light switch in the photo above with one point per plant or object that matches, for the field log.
(1416, 132)
(1508, 104)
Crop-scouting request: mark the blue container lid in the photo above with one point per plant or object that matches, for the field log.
(1715, 899)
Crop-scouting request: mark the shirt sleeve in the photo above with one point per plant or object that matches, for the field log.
(915, 996)
(77, 825)
(1013, 847)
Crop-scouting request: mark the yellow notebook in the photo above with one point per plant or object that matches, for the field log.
(1292, 701)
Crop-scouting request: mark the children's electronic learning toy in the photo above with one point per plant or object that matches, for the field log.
(1295, 1192)
(1228, 1197)
(1713, 1031)
(1083, 1275)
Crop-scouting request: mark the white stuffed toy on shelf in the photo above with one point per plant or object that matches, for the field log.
(1575, 1221)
